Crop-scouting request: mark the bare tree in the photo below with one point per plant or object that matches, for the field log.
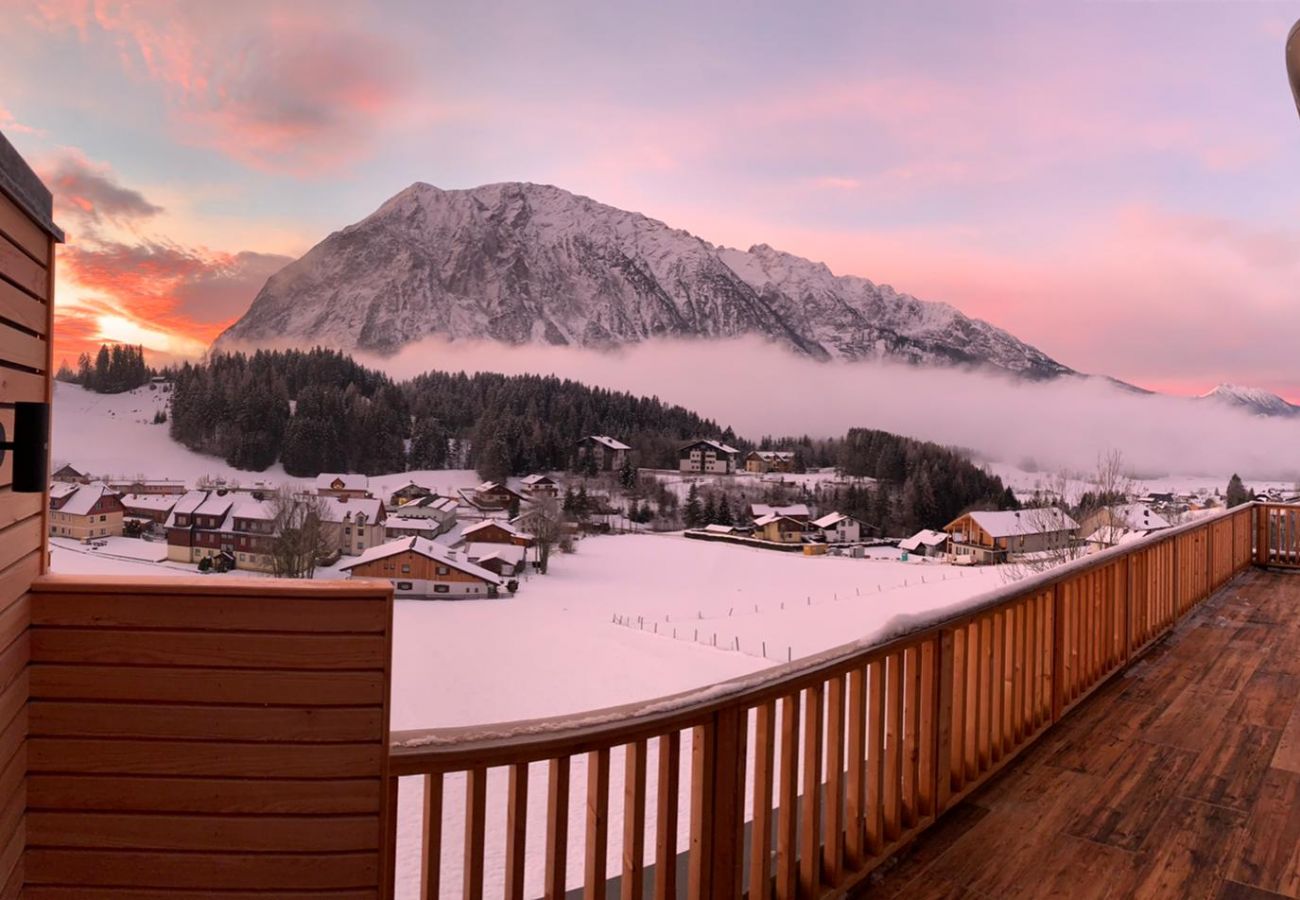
(299, 537)
(546, 521)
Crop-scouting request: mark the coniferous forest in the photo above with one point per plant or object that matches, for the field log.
(319, 411)
(112, 371)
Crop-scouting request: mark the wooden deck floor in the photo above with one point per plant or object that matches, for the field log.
(1179, 778)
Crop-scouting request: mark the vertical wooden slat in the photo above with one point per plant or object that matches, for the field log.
(833, 842)
(632, 884)
(787, 836)
(943, 715)
(893, 745)
(516, 831)
(984, 713)
(972, 683)
(475, 822)
(996, 683)
(760, 857)
(666, 817)
(855, 799)
(597, 824)
(928, 702)
(704, 749)
(431, 858)
(1057, 682)
(876, 755)
(911, 659)
(557, 829)
(810, 824)
(389, 887)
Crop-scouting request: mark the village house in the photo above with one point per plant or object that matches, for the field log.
(208, 524)
(602, 453)
(707, 458)
(68, 475)
(838, 528)
(505, 560)
(493, 531)
(331, 484)
(540, 486)
(407, 493)
(926, 542)
(439, 510)
(411, 526)
(492, 495)
(421, 569)
(792, 510)
(83, 511)
(152, 486)
(352, 525)
(762, 462)
(989, 536)
(151, 509)
(779, 529)
(1114, 525)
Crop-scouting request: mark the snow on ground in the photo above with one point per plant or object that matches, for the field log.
(1025, 481)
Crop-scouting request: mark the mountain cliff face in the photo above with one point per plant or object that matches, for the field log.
(526, 263)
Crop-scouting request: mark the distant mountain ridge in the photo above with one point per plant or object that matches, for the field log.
(526, 263)
(1253, 400)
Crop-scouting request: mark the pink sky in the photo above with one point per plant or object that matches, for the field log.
(1118, 184)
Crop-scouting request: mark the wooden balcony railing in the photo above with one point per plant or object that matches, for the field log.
(798, 781)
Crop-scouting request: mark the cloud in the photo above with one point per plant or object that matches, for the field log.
(88, 192)
(10, 124)
(302, 92)
(1064, 423)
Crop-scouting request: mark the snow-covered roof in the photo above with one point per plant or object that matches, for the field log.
(215, 505)
(429, 550)
(924, 538)
(770, 455)
(720, 529)
(775, 517)
(1012, 523)
(347, 481)
(607, 441)
(499, 523)
(1139, 516)
(85, 497)
(62, 489)
(413, 523)
(481, 550)
(831, 520)
(249, 507)
(339, 509)
(758, 510)
(716, 445)
(155, 502)
(532, 480)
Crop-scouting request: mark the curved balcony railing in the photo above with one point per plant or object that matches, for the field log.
(797, 781)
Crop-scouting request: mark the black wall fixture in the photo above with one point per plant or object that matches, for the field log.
(30, 446)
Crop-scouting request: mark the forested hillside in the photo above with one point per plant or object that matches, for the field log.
(318, 411)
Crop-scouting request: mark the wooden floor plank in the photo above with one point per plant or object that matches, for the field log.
(1230, 770)
(1134, 796)
(1270, 849)
(1191, 850)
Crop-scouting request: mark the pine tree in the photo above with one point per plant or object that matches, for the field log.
(693, 514)
(709, 514)
(723, 515)
(1237, 493)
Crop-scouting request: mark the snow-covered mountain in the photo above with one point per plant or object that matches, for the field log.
(1255, 400)
(528, 263)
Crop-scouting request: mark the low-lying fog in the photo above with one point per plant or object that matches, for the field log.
(759, 389)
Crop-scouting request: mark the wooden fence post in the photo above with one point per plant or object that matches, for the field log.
(717, 806)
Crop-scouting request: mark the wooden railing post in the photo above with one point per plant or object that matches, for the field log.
(1261, 535)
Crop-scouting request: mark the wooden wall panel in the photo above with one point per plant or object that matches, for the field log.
(196, 736)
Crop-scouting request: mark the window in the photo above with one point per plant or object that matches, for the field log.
(347, 530)
(406, 569)
(443, 570)
(404, 585)
(103, 518)
(442, 589)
